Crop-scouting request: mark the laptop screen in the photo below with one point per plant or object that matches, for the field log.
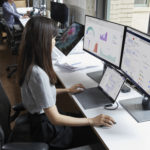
(111, 82)
(70, 38)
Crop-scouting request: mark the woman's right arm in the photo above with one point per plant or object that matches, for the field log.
(8, 10)
(58, 119)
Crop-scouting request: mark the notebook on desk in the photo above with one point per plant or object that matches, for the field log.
(105, 93)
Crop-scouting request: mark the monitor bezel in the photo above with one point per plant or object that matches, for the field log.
(139, 88)
(107, 62)
(78, 41)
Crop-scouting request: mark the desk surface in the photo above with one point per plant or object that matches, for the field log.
(127, 134)
(23, 10)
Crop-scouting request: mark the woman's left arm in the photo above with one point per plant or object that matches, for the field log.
(74, 89)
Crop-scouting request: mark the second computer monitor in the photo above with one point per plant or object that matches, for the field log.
(136, 59)
(104, 39)
(70, 38)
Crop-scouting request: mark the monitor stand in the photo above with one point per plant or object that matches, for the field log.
(97, 76)
(138, 108)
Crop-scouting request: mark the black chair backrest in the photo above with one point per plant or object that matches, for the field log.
(13, 37)
(1, 12)
(1, 137)
(1, 2)
(59, 12)
(4, 112)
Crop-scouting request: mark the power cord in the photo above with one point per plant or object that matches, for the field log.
(111, 106)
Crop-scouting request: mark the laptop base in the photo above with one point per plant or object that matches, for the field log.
(135, 109)
(92, 98)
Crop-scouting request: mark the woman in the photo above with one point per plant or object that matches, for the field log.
(37, 81)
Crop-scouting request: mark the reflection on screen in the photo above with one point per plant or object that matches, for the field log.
(70, 38)
(136, 58)
(111, 82)
(104, 39)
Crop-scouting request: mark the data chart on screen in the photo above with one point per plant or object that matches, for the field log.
(111, 82)
(136, 58)
(104, 39)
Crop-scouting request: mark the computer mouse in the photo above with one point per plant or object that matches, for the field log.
(80, 89)
(105, 126)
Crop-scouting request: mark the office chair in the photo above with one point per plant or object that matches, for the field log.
(2, 37)
(1, 32)
(1, 3)
(6, 133)
(13, 42)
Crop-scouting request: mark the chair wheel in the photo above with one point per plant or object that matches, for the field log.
(7, 69)
(8, 76)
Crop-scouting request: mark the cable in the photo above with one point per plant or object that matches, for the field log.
(111, 106)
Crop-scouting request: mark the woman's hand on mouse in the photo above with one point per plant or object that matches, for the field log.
(76, 88)
(101, 120)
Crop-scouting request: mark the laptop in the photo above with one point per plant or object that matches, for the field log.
(105, 93)
(70, 38)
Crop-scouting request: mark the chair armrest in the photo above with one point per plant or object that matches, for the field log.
(1, 136)
(17, 108)
(25, 146)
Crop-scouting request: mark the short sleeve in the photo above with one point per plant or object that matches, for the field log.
(42, 91)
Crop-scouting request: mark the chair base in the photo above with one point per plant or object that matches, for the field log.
(11, 69)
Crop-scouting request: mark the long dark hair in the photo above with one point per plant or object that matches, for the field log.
(36, 48)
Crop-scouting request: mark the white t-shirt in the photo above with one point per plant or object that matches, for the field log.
(38, 93)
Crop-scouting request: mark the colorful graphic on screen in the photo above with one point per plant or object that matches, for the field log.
(70, 38)
(103, 37)
(90, 29)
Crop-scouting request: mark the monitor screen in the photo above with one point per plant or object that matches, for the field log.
(112, 82)
(104, 39)
(136, 59)
(70, 38)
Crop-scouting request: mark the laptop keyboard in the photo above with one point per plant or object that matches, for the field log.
(92, 98)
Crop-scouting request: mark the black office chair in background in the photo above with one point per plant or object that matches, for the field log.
(2, 37)
(13, 42)
(7, 141)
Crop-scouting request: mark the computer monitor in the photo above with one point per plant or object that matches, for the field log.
(70, 38)
(59, 12)
(136, 66)
(104, 40)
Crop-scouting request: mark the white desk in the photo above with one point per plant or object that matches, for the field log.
(23, 10)
(127, 134)
(24, 21)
